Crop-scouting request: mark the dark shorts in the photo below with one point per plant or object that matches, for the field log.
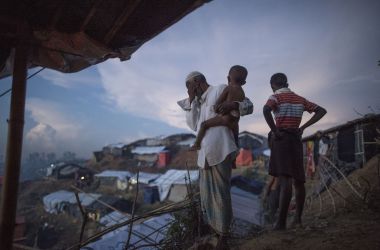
(287, 156)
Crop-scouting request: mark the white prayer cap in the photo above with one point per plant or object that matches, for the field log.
(193, 74)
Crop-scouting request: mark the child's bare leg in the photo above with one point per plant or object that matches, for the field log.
(224, 120)
(235, 131)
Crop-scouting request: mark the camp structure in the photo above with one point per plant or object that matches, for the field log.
(67, 36)
(98, 209)
(163, 158)
(186, 143)
(246, 206)
(336, 152)
(62, 201)
(70, 171)
(144, 178)
(172, 184)
(250, 146)
(113, 178)
(147, 154)
(148, 232)
(348, 145)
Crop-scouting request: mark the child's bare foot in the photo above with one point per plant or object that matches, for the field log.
(195, 147)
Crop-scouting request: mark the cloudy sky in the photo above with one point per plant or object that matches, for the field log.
(329, 49)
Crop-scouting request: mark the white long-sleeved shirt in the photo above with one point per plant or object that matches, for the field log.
(218, 142)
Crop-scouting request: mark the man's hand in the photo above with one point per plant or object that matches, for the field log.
(226, 107)
(191, 92)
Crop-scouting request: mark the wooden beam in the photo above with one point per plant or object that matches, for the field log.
(90, 14)
(120, 21)
(14, 147)
(57, 15)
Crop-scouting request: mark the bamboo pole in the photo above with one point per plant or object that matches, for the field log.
(14, 148)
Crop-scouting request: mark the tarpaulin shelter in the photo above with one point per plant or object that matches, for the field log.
(59, 201)
(244, 157)
(163, 158)
(67, 36)
(114, 178)
(147, 232)
(176, 180)
(144, 178)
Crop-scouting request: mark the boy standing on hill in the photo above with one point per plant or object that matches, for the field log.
(286, 160)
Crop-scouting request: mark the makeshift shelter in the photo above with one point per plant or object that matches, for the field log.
(244, 157)
(98, 155)
(144, 178)
(113, 218)
(148, 154)
(186, 143)
(177, 138)
(67, 36)
(163, 158)
(172, 184)
(151, 194)
(248, 185)
(114, 178)
(97, 209)
(144, 233)
(70, 171)
(246, 206)
(352, 143)
(254, 142)
(115, 149)
(61, 200)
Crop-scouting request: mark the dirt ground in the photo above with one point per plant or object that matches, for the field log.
(354, 225)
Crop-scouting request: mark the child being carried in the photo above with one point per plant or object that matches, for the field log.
(232, 93)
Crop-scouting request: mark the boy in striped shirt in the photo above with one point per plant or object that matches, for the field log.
(286, 160)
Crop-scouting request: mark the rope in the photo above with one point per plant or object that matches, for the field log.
(9, 90)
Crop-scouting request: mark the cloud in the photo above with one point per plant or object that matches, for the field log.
(54, 129)
(44, 136)
(69, 80)
(148, 93)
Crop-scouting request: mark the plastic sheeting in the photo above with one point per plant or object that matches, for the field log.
(144, 178)
(187, 142)
(173, 176)
(147, 150)
(150, 231)
(246, 206)
(56, 202)
(121, 175)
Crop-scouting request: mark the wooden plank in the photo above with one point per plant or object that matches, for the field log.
(120, 21)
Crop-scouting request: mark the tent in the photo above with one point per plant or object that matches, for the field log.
(163, 158)
(174, 178)
(147, 232)
(244, 157)
(114, 178)
(249, 185)
(144, 178)
(246, 206)
(60, 201)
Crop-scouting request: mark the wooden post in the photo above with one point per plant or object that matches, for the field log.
(14, 147)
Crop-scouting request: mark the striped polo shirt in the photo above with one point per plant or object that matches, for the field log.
(288, 108)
